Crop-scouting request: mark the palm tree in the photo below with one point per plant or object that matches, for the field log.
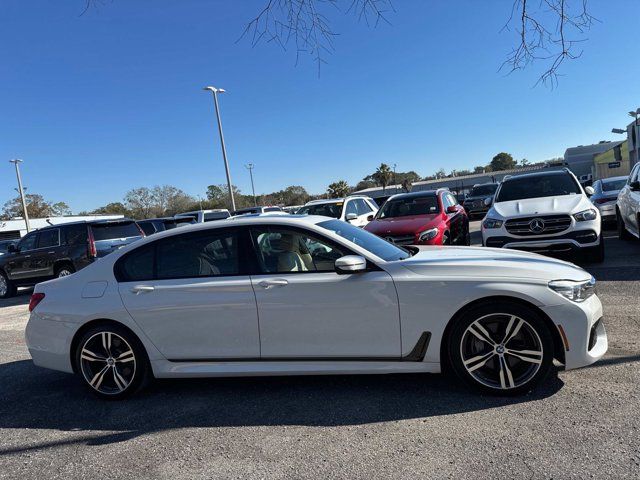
(383, 175)
(338, 189)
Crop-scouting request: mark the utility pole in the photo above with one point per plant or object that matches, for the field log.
(16, 161)
(250, 167)
(215, 92)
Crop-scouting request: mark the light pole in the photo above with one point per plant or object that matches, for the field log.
(16, 161)
(215, 92)
(250, 167)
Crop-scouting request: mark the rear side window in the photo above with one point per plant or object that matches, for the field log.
(147, 227)
(136, 265)
(201, 254)
(110, 231)
(49, 238)
(74, 235)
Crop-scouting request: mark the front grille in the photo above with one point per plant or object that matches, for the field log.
(541, 225)
(400, 239)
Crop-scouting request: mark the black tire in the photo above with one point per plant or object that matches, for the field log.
(467, 236)
(446, 238)
(493, 368)
(64, 270)
(97, 361)
(7, 288)
(595, 254)
(623, 234)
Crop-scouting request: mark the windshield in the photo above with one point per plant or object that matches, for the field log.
(379, 247)
(612, 185)
(333, 210)
(483, 190)
(538, 186)
(408, 206)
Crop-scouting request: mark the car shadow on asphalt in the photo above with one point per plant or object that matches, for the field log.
(35, 398)
(21, 298)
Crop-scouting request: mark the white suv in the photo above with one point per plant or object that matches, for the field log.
(544, 212)
(358, 210)
(628, 206)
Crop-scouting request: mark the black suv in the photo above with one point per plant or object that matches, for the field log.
(155, 225)
(60, 250)
(479, 199)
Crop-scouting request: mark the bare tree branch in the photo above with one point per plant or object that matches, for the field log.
(303, 24)
(548, 32)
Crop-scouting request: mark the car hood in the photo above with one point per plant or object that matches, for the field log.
(539, 206)
(483, 262)
(403, 225)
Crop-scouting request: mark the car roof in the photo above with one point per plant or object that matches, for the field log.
(88, 222)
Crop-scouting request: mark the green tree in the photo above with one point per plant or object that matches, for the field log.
(338, 189)
(60, 209)
(37, 207)
(502, 161)
(383, 175)
(113, 208)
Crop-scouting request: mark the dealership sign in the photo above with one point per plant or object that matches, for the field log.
(614, 164)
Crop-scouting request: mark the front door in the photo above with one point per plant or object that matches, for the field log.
(19, 265)
(308, 311)
(190, 296)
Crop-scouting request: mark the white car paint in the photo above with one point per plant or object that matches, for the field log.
(628, 203)
(349, 206)
(379, 314)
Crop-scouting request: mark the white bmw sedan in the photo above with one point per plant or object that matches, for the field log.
(298, 295)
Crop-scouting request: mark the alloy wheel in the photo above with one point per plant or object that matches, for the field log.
(108, 363)
(3, 286)
(501, 351)
(65, 272)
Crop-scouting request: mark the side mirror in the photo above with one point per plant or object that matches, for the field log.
(351, 216)
(369, 218)
(12, 248)
(635, 185)
(589, 190)
(350, 264)
(452, 209)
(488, 201)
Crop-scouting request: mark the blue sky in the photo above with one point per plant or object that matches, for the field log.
(102, 103)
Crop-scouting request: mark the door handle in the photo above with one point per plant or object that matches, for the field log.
(138, 289)
(267, 284)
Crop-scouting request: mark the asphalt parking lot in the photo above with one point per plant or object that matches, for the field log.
(581, 424)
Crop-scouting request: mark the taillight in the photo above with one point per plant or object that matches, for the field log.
(36, 298)
(91, 245)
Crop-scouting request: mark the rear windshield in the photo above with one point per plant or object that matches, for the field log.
(333, 210)
(612, 185)
(538, 186)
(109, 231)
(483, 190)
(405, 207)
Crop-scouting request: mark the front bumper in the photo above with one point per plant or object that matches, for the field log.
(607, 211)
(582, 325)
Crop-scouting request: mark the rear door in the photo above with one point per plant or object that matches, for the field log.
(46, 252)
(191, 295)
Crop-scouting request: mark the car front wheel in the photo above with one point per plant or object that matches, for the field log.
(503, 348)
(111, 361)
(7, 288)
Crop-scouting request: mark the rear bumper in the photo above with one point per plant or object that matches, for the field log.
(49, 342)
(583, 328)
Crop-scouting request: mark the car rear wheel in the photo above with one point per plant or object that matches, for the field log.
(64, 271)
(503, 348)
(111, 361)
(7, 288)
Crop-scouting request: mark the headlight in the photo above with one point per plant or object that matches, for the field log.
(428, 234)
(585, 215)
(492, 223)
(575, 291)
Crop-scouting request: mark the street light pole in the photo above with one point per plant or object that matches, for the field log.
(16, 161)
(215, 92)
(250, 167)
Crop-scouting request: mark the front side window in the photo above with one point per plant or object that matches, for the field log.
(282, 250)
(370, 242)
(362, 207)
(198, 254)
(351, 208)
(409, 206)
(49, 238)
(333, 210)
(538, 186)
(28, 242)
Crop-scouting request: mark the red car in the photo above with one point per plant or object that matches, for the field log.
(422, 218)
